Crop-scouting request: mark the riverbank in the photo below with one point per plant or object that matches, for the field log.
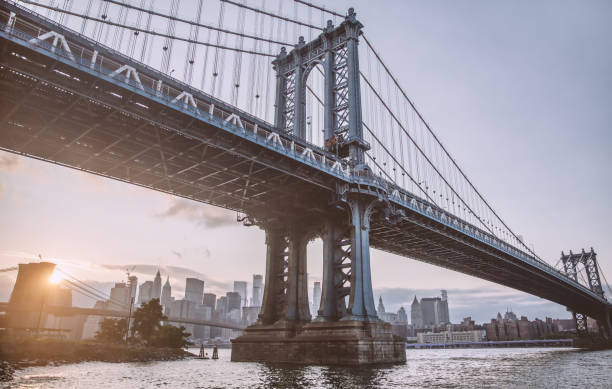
(17, 354)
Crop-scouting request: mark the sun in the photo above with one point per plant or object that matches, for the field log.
(56, 277)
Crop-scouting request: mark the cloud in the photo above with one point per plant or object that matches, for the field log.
(201, 214)
(8, 162)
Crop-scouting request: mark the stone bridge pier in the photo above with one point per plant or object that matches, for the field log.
(346, 330)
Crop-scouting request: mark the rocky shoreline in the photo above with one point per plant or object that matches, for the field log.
(20, 354)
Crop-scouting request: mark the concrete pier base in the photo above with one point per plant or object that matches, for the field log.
(350, 342)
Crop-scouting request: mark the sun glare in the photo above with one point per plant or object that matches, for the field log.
(56, 277)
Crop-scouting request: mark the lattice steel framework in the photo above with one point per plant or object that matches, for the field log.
(588, 260)
(336, 50)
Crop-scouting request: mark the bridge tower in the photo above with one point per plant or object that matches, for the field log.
(344, 332)
(588, 260)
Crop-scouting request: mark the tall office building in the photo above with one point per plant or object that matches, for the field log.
(316, 298)
(416, 314)
(157, 284)
(402, 316)
(120, 296)
(429, 307)
(241, 287)
(144, 293)
(221, 306)
(233, 301)
(194, 290)
(209, 300)
(381, 307)
(443, 314)
(257, 290)
(166, 295)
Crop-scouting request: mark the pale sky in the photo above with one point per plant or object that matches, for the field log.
(519, 92)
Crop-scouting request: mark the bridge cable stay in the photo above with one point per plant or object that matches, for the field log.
(237, 68)
(87, 12)
(446, 154)
(151, 32)
(89, 291)
(195, 22)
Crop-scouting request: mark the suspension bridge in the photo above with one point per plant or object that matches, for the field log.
(285, 113)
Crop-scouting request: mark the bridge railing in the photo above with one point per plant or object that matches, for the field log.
(202, 106)
(430, 210)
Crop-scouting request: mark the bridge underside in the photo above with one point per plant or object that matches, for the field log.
(425, 240)
(51, 112)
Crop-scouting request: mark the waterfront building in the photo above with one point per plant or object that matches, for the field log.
(241, 288)
(194, 290)
(156, 289)
(257, 290)
(450, 337)
(508, 328)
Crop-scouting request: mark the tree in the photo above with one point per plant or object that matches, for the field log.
(111, 330)
(170, 336)
(147, 320)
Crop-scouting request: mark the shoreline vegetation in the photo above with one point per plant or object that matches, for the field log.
(22, 353)
(146, 340)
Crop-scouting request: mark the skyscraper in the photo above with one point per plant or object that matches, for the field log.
(381, 306)
(144, 293)
(316, 298)
(257, 290)
(416, 314)
(156, 289)
(209, 300)
(402, 316)
(194, 290)
(443, 314)
(233, 301)
(241, 287)
(120, 297)
(429, 307)
(166, 295)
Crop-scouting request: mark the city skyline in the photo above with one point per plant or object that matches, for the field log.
(113, 226)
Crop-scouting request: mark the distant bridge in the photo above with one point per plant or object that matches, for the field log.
(71, 311)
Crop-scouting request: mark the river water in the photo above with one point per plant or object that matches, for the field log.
(451, 368)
